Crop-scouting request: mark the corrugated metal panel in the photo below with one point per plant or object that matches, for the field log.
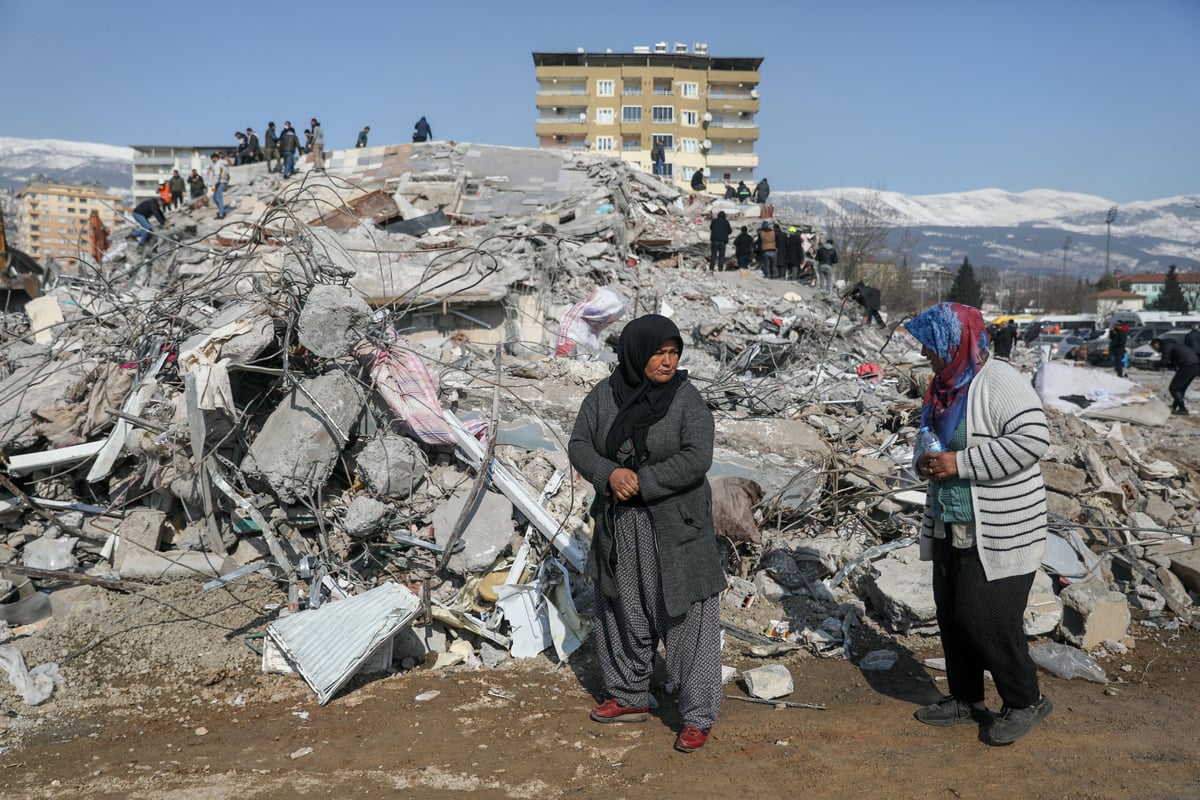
(328, 645)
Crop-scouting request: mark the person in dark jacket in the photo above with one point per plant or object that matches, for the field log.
(719, 231)
(762, 191)
(826, 258)
(150, 207)
(730, 192)
(644, 441)
(1186, 364)
(362, 137)
(272, 149)
(1192, 340)
(658, 156)
(768, 245)
(698, 181)
(743, 249)
(177, 187)
(196, 185)
(289, 147)
(243, 149)
(743, 192)
(422, 132)
(1118, 338)
(1004, 338)
(1032, 333)
(793, 254)
(867, 297)
(253, 146)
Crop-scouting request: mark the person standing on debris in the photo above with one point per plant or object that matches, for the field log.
(177, 187)
(196, 187)
(719, 231)
(220, 179)
(1185, 362)
(826, 258)
(793, 254)
(762, 191)
(1003, 340)
(289, 146)
(253, 147)
(318, 144)
(422, 132)
(243, 149)
(644, 440)
(272, 150)
(1118, 339)
(743, 249)
(743, 192)
(362, 137)
(767, 245)
(984, 524)
(867, 297)
(150, 207)
(658, 156)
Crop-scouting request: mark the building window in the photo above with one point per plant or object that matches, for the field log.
(664, 114)
(667, 139)
(631, 114)
(604, 116)
(604, 143)
(689, 146)
(662, 88)
(631, 88)
(631, 143)
(690, 89)
(687, 172)
(690, 118)
(605, 88)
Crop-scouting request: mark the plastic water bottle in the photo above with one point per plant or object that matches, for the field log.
(928, 442)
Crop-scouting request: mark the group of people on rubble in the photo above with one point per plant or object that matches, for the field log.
(779, 252)
(744, 194)
(643, 439)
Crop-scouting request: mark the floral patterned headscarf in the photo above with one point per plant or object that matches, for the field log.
(956, 334)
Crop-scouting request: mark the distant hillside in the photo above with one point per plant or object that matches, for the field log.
(23, 160)
(1024, 231)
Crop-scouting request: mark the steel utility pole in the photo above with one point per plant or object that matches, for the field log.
(1066, 247)
(1109, 218)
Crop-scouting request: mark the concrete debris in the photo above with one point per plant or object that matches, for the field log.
(313, 388)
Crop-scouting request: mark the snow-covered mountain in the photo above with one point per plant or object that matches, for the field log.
(1024, 231)
(22, 160)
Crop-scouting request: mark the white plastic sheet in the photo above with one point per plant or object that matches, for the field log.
(34, 685)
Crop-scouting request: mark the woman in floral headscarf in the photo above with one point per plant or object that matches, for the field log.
(984, 525)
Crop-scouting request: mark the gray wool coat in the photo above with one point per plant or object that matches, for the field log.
(674, 486)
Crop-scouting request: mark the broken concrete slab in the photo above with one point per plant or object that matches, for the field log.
(768, 682)
(365, 517)
(901, 591)
(301, 440)
(34, 387)
(488, 531)
(332, 320)
(1093, 613)
(391, 465)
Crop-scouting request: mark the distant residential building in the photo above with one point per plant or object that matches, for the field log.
(1104, 303)
(153, 164)
(702, 108)
(1150, 285)
(932, 281)
(52, 219)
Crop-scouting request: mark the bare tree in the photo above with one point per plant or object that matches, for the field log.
(860, 227)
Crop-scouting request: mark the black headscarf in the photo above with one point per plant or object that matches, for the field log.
(640, 401)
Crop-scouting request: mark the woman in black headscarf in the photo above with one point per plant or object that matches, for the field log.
(644, 440)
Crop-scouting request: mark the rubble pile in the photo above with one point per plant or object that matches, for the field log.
(353, 393)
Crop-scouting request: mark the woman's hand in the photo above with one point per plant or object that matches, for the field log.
(939, 466)
(624, 483)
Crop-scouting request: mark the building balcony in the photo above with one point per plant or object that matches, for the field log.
(726, 133)
(716, 160)
(547, 127)
(578, 90)
(732, 104)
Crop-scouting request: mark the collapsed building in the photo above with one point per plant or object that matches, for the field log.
(358, 387)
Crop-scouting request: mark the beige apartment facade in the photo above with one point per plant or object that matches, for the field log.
(703, 108)
(52, 219)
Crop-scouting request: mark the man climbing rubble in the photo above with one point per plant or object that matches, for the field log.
(150, 207)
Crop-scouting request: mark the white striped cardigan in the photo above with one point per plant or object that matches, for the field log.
(1007, 436)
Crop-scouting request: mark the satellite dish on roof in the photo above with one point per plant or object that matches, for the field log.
(582, 117)
(754, 93)
(706, 144)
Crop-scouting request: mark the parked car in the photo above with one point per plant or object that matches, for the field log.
(1097, 349)
(1061, 345)
(1146, 357)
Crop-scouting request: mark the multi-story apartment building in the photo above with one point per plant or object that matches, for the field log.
(703, 108)
(52, 219)
(153, 164)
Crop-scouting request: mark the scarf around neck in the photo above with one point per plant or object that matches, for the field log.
(640, 401)
(955, 333)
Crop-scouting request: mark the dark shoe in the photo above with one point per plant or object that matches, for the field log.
(1182, 412)
(220, 216)
(691, 738)
(612, 711)
(1013, 723)
(952, 711)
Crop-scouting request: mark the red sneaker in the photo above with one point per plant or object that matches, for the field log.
(612, 711)
(691, 738)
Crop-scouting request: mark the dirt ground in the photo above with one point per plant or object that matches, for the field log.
(163, 699)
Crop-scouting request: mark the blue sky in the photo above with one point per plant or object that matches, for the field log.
(1093, 96)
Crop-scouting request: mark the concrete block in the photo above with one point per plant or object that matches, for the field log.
(417, 641)
(140, 532)
(768, 682)
(333, 320)
(299, 444)
(89, 600)
(1064, 478)
(173, 565)
(878, 661)
(1063, 505)
(391, 465)
(1173, 586)
(1044, 609)
(767, 588)
(740, 593)
(1093, 613)
(903, 594)
(1159, 510)
(488, 531)
(1185, 563)
(365, 516)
